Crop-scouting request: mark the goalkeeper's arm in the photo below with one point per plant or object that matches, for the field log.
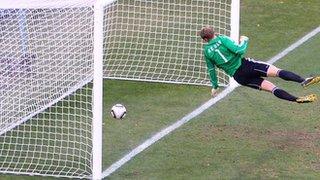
(213, 76)
(233, 46)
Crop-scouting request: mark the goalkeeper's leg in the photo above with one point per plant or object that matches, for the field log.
(282, 94)
(290, 76)
(273, 71)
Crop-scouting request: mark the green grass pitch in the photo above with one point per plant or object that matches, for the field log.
(248, 135)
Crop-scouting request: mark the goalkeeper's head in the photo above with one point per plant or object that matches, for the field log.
(206, 33)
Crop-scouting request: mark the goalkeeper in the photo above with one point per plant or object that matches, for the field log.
(223, 53)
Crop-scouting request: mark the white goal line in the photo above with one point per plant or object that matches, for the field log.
(115, 166)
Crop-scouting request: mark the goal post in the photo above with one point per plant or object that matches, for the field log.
(234, 28)
(97, 89)
(235, 20)
(54, 55)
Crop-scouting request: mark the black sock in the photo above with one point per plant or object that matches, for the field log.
(290, 76)
(282, 94)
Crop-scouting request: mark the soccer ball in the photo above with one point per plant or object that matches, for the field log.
(118, 111)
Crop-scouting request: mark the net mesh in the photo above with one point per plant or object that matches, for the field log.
(46, 66)
(157, 40)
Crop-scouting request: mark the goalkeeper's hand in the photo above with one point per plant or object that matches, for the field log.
(243, 38)
(214, 92)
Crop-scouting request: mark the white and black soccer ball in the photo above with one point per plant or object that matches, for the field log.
(118, 111)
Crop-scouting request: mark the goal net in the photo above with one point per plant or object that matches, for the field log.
(157, 40)
(47, 70)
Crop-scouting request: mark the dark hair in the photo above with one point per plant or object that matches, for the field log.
(206, 32)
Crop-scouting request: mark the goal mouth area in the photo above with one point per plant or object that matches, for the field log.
(58, 52)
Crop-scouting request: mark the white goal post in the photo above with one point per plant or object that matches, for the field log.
(54, 55)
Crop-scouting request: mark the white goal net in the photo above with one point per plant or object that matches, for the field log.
(47, 70)
(46, 67)
(157, 40)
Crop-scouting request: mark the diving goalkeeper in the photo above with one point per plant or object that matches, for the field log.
(223, 53)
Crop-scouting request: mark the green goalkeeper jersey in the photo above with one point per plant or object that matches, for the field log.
(224, 53)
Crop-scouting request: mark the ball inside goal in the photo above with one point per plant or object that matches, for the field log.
(118, 111)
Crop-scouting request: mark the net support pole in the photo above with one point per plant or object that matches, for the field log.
(97, 92)
(23, 31)
(235, 27)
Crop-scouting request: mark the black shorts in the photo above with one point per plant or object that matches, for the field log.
(250, 73)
